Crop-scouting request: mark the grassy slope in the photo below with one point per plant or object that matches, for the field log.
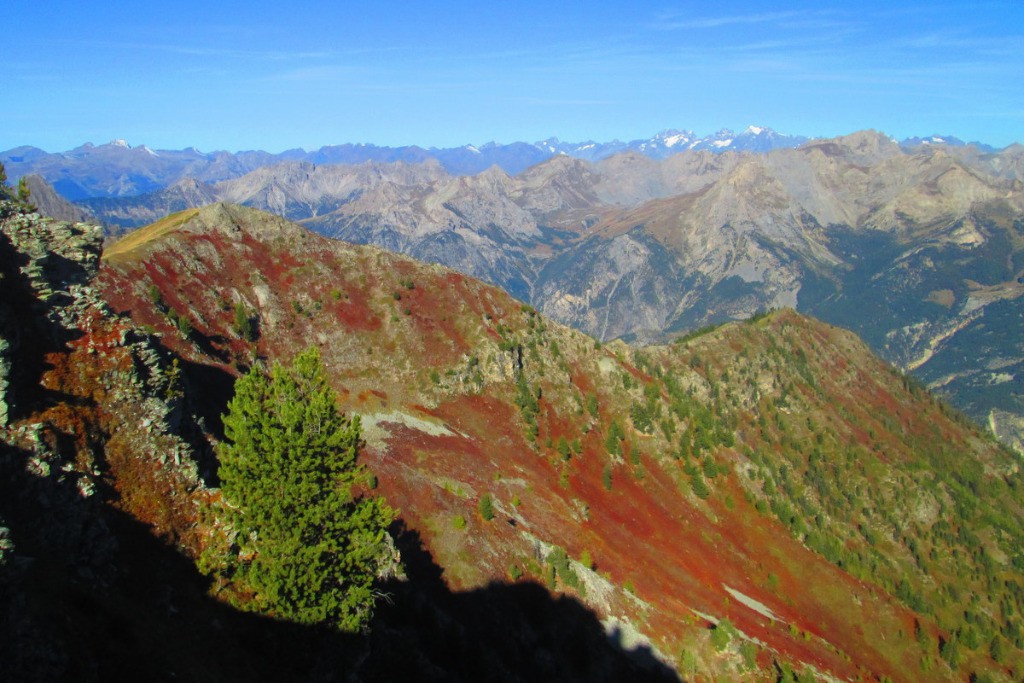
(851, 524)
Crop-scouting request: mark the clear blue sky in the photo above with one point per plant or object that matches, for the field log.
(261, 75)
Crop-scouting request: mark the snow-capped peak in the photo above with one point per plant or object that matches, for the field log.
(550, 145)
(755, 130)
(673, 140)
(120, 143)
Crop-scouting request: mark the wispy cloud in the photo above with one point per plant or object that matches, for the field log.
(822, 22)
(565, 102)
(795, 20)
(318, 74)
(209, 51)
(672, 22)
(1013, 44)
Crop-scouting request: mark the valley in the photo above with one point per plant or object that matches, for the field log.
(918, 249)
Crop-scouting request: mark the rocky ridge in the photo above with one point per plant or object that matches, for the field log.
(103, 470)
(720, 482)
(738, 504)
(92, 412)
(926, 238)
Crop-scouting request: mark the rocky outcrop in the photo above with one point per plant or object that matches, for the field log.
(56, 312)
(45, 264)
(92, 423)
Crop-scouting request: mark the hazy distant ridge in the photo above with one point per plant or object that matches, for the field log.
(119, 169)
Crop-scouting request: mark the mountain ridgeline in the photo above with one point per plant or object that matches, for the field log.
(761, 499)
(917, 248)
(117, 169)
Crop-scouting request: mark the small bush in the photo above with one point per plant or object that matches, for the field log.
(586, 560)
(699, 487)
(244, 326)
(486, 507)
(155, 297)
(722, 634)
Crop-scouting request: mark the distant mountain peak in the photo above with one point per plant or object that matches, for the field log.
(117, 169)
(938, 140)
(675, 138)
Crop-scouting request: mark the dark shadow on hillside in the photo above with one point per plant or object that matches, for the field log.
(502, 632)
(89, 594)
(208, 389)
(212, 346)
(30, 335)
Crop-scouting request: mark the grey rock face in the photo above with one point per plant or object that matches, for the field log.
(52, 205)
(909, 246)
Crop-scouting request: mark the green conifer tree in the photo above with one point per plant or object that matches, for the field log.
(486, 507)
(244, 326)
(23, 191)
(5, 192)
(306, 543)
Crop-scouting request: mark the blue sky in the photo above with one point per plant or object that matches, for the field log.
(260, 75)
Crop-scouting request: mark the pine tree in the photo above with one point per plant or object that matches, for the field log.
(307, 544)
(244, 326)
(23, 191)
(486, 507)
(5, 192)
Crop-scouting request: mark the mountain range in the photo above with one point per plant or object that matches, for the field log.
(117, 169)
(766, 500)
(919, 249)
